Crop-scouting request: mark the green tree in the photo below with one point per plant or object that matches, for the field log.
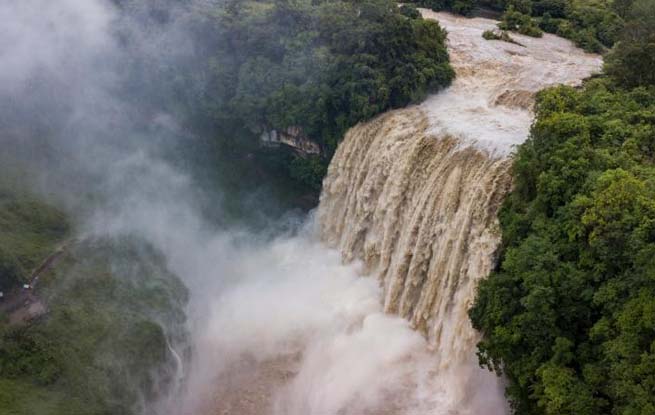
(566, 316)
(317, 66)
(632, 61)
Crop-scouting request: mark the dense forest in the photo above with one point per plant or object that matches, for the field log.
(318, 67)
(104, 296)
(568, 315)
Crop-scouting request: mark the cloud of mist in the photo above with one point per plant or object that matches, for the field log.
(278, 326)
(52, 39)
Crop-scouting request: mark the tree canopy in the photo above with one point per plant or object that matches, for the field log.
(322, 66)
(633, 63)
(568, 316)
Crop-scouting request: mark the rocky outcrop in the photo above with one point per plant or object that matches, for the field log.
(292, 137)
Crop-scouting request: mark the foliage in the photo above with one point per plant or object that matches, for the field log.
(309, 170)
(522, 23)
(499, 35)
(25, 398)
(464, 7)
(103, 343)
(322, 66)
(30, 231)
(491, 35)
(568, 315)
(410, 10)
(633, 63)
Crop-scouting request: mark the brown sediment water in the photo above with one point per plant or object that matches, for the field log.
(368, 314)
(415, 193)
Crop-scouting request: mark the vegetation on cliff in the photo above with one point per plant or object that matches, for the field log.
(30, 231)
(322, 66)
(111, 310)
(568, 315)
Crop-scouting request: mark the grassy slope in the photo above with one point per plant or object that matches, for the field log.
(29, 232)
(19, 397)
(102, 346)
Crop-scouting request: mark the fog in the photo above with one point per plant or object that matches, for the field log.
(277, 324)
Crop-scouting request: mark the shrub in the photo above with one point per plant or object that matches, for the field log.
(410, 10)
(499, 35)
(463, 7)
(632, 62)
(518, 22)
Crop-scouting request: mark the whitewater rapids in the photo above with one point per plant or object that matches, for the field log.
(365, 313)
(414, 194)
(489, 105)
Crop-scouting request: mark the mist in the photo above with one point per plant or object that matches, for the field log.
(276, 323)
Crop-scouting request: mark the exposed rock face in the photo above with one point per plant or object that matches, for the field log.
(292, 137)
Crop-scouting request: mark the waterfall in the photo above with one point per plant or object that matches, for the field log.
(415, 193)
(364, 311)
(421, 213)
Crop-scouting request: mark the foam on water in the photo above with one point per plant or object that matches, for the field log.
(414, 195)
(489, 104)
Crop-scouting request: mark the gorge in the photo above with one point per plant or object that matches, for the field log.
(415, 193)
(190, 287)
(411, 200)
